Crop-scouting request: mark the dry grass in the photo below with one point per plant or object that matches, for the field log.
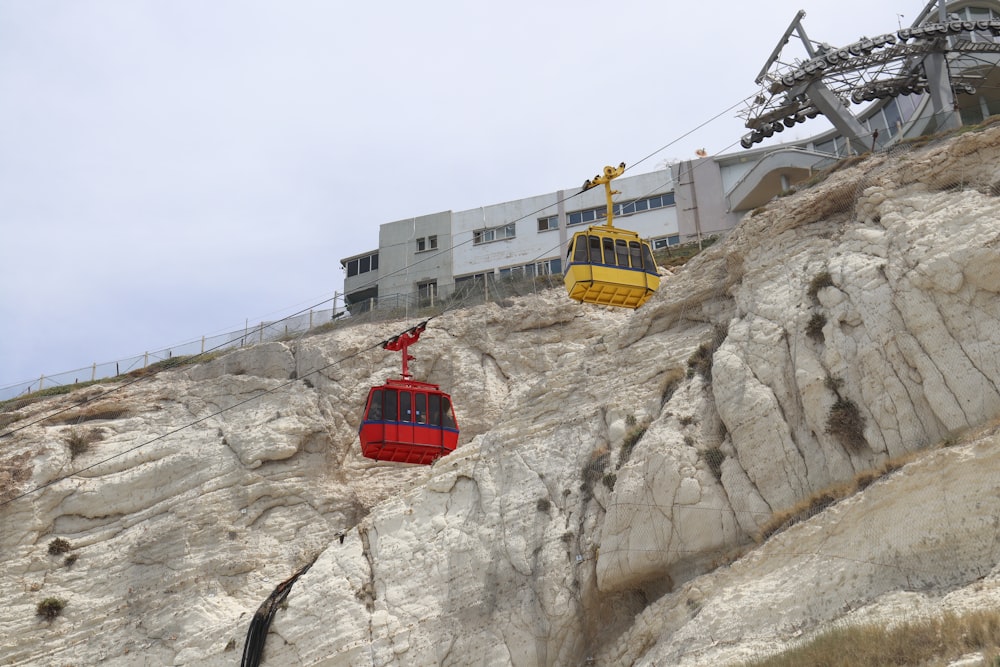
(820, 500)
(632, 438)
(814, 328)
(8, 418)
(670, 383)
(819, 281)
(920, 642)
(79, 441)
(846, 423)
(104, 410)
(700, 361)
(14, 470)
(673, 256)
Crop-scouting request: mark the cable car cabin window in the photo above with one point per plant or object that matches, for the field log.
(390, 405)
(647, 259)
(595, 249)
(580, 251)
(420, 408)
(635, 252)
(609, 251)
(375, 406)
(621, 249)
(446, 413)
(434, 410)
(404, 406)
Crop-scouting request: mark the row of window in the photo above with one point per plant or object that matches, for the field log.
(542, 268)
(612, 252)
(406, 406)
(601, 212)
(500, 233)
(362, 265)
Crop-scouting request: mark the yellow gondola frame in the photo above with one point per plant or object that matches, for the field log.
(610, 266)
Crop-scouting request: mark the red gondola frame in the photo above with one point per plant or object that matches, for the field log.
(417, 425)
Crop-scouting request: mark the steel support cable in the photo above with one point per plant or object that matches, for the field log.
(305, 310)
(434, 255)
(689, 132)
(188, 342)
(134, 381)
(265, 392)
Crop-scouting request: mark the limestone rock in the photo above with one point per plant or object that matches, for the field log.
(615, 468)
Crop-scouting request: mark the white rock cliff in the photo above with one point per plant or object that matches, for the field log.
(614, 470)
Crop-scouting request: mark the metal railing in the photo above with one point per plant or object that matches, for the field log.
(387, 307)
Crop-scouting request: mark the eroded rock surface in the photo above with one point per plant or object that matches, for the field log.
(612, 468)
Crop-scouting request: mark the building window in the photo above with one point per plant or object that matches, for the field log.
(647, 204)
(580, 217)
(429, 243)
(473, 278)
(362, 265)
(500, 233)
(551, 222)
(628, 208)
(660, 243)
(427, 292)
(542, 268)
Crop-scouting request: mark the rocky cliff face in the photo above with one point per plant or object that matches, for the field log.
(615, 468)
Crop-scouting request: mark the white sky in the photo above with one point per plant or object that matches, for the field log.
(175, 168)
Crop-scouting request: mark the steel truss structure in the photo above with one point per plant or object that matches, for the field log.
(940, 58)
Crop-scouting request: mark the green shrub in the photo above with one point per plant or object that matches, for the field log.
(847, 424)
(58, 546)
(50, 607)
(819, 281)
(814, 328)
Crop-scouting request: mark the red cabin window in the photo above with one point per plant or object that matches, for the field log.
(390, 405)
(404, 406)
(420, 408)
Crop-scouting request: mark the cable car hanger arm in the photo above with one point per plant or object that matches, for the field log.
(610, 173)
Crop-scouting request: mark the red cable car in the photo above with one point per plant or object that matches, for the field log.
(407, 421)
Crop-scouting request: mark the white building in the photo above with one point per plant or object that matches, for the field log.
(429, 255)
(935, 75)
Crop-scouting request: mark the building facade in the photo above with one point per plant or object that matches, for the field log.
(937, 74)
(428, 257)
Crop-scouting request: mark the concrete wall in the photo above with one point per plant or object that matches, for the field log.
(701, 206)
(528, 243)
(402, 267)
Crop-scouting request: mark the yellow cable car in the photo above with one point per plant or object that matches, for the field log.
(608, 266)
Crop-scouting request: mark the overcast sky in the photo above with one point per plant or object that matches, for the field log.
(175, 168)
